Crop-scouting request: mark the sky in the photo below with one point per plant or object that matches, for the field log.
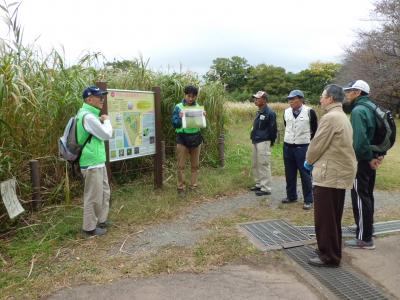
(178, 35)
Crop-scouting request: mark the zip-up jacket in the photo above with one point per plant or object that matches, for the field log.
(264, 126)
(364, 124)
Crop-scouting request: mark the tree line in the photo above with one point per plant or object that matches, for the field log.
(241, 79)
(373, 57)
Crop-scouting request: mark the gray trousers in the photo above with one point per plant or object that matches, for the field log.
(262, 165)
(96, 197)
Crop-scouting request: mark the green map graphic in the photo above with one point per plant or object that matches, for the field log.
(133, 127)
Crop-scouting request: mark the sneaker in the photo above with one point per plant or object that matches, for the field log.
(262, 193)
(287, 200)
(307, 206)
(360, 244)
(105, 224)
(255, 188)
(95, 232)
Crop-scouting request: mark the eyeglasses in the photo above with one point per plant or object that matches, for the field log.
(101, 98)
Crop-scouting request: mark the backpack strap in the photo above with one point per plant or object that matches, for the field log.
(89, 138)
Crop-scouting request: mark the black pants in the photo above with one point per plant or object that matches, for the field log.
(328, 211)
(362, 196)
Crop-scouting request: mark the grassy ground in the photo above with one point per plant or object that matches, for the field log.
(49, 252)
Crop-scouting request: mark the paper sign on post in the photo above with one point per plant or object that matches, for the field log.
(10, 199)
(193, 117)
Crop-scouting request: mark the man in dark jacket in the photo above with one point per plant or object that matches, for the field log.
(263, 135)
(364, 125)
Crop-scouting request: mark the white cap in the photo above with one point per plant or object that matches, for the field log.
(358, 85)
(260, 94)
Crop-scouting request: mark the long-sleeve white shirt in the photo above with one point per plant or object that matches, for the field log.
(100, 130)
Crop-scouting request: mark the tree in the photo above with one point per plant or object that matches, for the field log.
(375, 56)
(312, 80)
(232, 72)
(270, 78)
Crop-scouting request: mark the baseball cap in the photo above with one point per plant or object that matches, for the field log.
(93, 91)
(295, 93)
(260, 94)
(358, 85)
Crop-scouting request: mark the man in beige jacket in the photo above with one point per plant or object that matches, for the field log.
(332, 160)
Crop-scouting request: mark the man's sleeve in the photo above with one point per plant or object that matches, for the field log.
(313, 122)
(360, 139)
(321, 141)
(273, 128)
(100, 130)
(176, 119)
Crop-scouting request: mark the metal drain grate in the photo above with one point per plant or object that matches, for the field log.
(275, 234)
(386, 227)
(310, 230)
(341, 281)
(350, 231)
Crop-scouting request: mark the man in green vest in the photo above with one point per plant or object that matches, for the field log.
(92, 130)
(188, 140)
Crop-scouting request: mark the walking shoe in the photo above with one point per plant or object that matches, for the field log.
(360, 244)
(105, 224)
(307, 206)
(317, 262)
(97, 231)
(287, 200)
(255, 188)
(262, 193)
(181, 192)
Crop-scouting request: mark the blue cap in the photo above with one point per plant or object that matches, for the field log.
(295, 93)
(93, 91)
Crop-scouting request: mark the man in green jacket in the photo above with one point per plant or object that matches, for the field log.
(94, 129)
(364, 125)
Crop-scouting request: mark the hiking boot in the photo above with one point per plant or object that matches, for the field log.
(287, 200)
(105, 224)
(262, 193)
(307, 206)
(95, 232)
(255, 188)
(360, 244)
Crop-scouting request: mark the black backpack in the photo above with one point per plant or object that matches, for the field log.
(385, 131)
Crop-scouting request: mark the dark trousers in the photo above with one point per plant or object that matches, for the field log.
(294, 158)
(328, 211)
(362, 197)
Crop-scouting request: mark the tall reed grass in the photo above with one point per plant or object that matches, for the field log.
(39, 92)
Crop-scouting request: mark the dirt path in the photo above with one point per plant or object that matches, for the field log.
(231, 282)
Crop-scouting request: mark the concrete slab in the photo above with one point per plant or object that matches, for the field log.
(227, 283)
(381, 265)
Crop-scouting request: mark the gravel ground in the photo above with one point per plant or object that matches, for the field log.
(188, 229)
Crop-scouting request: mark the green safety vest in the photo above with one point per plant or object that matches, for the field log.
(94, 152)
(186, 130)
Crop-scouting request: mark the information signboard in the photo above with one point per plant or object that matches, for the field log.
(133, 120)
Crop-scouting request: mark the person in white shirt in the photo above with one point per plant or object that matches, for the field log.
(300, 126)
